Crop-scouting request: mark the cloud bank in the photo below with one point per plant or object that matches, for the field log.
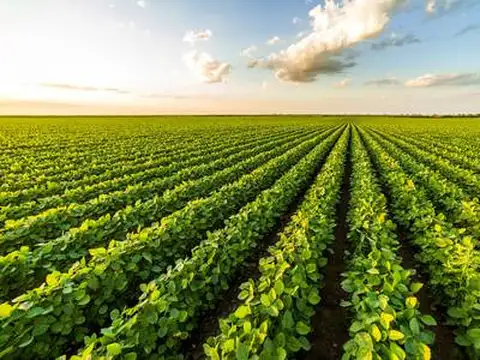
(206, 68)
(336, 27)
(436, 80)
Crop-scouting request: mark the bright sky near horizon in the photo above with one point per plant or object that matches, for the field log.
(239, 56)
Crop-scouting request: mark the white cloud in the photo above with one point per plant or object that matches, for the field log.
(343, 83)
(430, 6)
(336, 27)
(301, 34)
(197, 35)
(248, 52)
(273, 40)
(111, 6)
(296, 20)
(264, 85)
(142, 3)
(432, 80)
(205, 67)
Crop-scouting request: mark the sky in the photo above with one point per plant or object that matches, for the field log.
(239, 56)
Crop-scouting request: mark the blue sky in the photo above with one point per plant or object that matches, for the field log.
(130, 56)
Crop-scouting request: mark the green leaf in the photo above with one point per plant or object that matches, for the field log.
(415, 287)
(265, 300)
(474, 333)
(242, 311)
(302, 328)
(114, 349)
(414, 326)
(287, 320)
(281, 354)
(247, 327)
(229, 345)
(131, 356)
(211, 352)
(313, 297)
(428, 320)
(84, 301)
(242, 352)
(356, 326)
(457, 313)
(279, 287)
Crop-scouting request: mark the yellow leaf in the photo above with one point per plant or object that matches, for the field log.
(395, 335)
(410, 184)
(427, 355)
(5, 310)
(411, 302)
(376, 334)
(437, 228)
(381, 218)
(367, 356)
(52, 280)
(386, 319)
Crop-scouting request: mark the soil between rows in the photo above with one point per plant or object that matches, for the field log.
(330, 322)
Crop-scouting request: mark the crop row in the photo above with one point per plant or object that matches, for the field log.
(171, 306)
(386, 321)
(77, 171)
(52, 223)
(57, 315)
(108, 187)
(274, 316)
(461, 209)
(23, 269)
(122, 176)
(450, 257)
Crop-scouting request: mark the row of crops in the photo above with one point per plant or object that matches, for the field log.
(222, 238)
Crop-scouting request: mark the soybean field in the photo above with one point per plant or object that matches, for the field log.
(261, 237)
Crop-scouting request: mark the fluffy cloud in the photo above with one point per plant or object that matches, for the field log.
(342, 84)
(392, 81)
(395, 41)
(468, 29)
(273, 40)
(142, 3)
(296, 20)
(336, 27)
(433, 80)
(205, 67)
(197, 35)
(248, 52)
